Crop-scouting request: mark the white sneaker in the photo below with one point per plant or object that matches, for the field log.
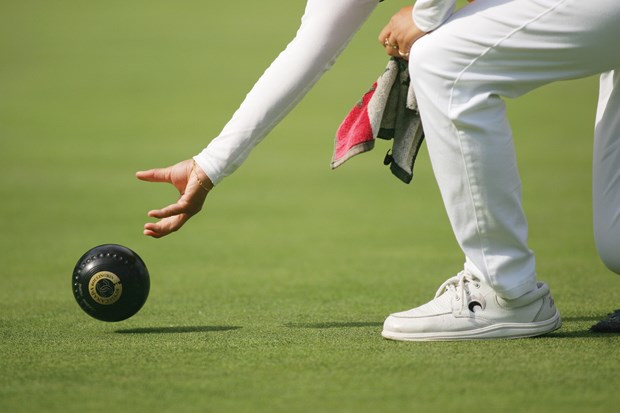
(465, 308)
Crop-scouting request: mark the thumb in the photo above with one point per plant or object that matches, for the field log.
(154, 175)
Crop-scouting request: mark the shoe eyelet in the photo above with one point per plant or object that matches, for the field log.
(474, 306)
(477, 285)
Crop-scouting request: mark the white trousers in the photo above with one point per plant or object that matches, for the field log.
(504, 48)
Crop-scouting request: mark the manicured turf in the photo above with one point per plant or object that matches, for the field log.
(272, 299)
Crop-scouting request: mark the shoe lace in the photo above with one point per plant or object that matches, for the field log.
(456, 287)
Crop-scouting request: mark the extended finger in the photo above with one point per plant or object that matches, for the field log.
(182, 206)
(166, 226)
(169, 211)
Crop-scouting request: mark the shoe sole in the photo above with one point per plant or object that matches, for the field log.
(495, 331)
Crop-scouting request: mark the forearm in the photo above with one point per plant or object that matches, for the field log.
(327, 27)
(430, 14)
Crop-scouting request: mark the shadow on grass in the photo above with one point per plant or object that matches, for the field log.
(335, 324)
(556, 334)
(578, 334)
(171, 330)
(583, 318)
(594, 331)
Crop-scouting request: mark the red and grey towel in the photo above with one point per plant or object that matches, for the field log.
(387, 111)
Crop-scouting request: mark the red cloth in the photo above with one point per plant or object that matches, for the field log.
(355, 135)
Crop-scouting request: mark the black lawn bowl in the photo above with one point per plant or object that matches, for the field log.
(110, 282)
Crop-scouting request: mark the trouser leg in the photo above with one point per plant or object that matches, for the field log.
(490, 50)
(606, 171)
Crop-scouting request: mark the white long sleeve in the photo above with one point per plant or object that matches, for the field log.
(326, 28)
(430, 14)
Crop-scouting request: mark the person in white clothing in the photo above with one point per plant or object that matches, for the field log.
(462, 64)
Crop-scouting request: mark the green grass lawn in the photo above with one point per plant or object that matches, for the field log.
(273, 298)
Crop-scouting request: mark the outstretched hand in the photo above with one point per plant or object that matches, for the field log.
(193, 186)
(400, 33)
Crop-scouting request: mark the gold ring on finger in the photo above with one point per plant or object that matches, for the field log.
(387, 43)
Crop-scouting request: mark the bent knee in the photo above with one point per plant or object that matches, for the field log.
(434, 67)
(423, 59)
(430, 74)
